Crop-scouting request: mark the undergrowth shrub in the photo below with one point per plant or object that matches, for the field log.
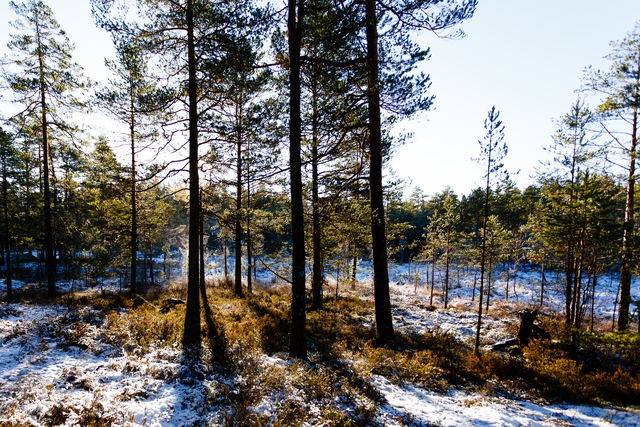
(624, 346)
(144, 326)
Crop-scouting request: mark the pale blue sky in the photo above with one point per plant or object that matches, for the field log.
(525, 57)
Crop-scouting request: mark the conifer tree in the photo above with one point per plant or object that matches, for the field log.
(131, 98)
(620, 88)
(43, 78)
(190, 39)
(572, 149)
(445, 220)
(295, 26)
(8, 161)
(492, 152)
(403, 95)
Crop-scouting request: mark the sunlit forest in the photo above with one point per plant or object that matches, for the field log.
(237, 251)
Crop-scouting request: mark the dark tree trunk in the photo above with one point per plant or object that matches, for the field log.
(384, 322)
(226, 265)
(337, 279)
(446, 275)
(516, 266)
(626, 263)
(354, 271)
(570, 263)
(50, 260)
(473, 291)
(203, 284)
(506, 295)
(593, 296)
(191, 338)
(543, 280)
(238, 231)
(433, 278)
(144, 269)
(489, 277)
(151, 276)
(297, 343)
(250, 266)
(577, 288)
(134, 210)
(7, 229)
(483, 255)
(316, 284)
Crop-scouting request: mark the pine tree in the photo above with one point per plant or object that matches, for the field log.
(492, 152)
(43, 77)
(295, 25)
(445, 219)
(403, 94)
(131, 98)
(8, 162)
(195, 35)
(620, 88)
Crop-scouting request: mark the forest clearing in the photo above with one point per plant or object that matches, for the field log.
(98, 361)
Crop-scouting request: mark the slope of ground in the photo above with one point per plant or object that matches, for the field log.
(118, 365)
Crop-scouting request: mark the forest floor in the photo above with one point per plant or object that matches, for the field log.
(93, 359)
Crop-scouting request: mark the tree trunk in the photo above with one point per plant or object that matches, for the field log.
(226, 265)
(354, 269)
(250, 266)
(516, 266)
(489, 277)
(543, 279)
(151, 276)
(507, 287)
(238, 231)
(473, 291)
(433, 281)
(134, 210)
(626, 263)
(337, 278)
(593, 296)
(297, 343)
(446, 275)
(203, 284)
(144, 269)
(191, 338)
(316, 283)
(7, 229)
(577, 288)
(384, 322)
(483, 255)
(50, 260)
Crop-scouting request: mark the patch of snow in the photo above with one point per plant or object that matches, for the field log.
(411, 404)
(40, 372)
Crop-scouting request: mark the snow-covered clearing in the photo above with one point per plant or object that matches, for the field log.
(58, 367)
(420, 407)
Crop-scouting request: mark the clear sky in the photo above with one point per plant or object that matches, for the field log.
(524, 57)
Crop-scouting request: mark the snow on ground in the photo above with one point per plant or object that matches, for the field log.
(15, 284)
(46, 378)
(527, 282)
(456, 408)
(56, 363)
(57, 366)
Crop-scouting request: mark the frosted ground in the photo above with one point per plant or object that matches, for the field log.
(58, 364)
(414, 276)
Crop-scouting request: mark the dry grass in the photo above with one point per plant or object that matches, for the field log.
(344, 354)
